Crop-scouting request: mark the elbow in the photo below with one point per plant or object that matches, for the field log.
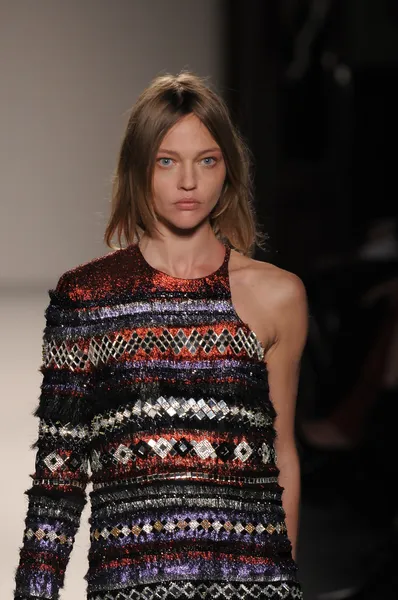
(288, 457)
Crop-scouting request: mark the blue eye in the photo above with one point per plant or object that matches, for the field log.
(163, 164)
(209, 158)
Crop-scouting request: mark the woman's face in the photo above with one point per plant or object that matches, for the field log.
(189, 167)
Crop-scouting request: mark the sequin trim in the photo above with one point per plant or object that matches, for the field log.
(149, 504)
(196, 490)
(189, 475)
(170, 525)
(185, 446)
(184, 408)
(109, 348)
(48, 534)
(187, 590)
(156, 384)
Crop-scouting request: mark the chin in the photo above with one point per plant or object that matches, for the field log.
(183, 219)
(185, 225)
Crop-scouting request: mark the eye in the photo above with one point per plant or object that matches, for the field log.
(209, 161)
(164, 162)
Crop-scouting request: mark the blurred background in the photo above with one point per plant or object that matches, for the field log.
(313, 87)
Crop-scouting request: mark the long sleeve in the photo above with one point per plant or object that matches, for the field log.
(58, 492)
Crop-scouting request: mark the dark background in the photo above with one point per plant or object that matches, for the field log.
(313, 87)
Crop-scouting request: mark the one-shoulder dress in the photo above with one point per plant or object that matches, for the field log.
(155, 393)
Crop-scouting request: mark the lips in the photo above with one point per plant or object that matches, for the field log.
(187, 204)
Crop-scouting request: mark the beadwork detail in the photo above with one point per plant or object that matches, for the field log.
(156, 392)
(182, 447)
(192, 524)
(186, 590)
(171, 406)
(66, 430)
(102, 350)
(190, 475)
(54, 462)
(53, 536)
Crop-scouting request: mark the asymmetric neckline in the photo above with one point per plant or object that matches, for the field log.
(215, 273)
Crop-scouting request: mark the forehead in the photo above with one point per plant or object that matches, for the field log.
(188, 132)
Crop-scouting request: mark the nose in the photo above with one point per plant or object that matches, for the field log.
(187, 178)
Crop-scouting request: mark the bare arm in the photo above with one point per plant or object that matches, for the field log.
(283, 364)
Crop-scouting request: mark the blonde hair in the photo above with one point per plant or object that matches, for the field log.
(158, 108)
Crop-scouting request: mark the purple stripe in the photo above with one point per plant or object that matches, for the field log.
(57, 526)
(179, 364)
(36, 584)
(190, 569)
(141, 307)
(198, 514)
(49, 546)
(186, 534)
(273, 541)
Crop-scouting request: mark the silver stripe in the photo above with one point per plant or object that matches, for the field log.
(102, 349)
(162, 306)
(188, 502)
(290, 586)
(185, 475)
(208, 408)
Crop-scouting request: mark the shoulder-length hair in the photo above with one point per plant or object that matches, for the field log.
(158, 108)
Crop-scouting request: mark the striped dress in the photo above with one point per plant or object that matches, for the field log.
(155, 395)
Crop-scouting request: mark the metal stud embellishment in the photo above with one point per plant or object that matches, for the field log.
(48, 534)
(218, 590)
(54, 462)
(172, 447)
(77, 432)
(184, 408)
(198, 524)
(74, 462)
(161, 447)
(123, 454)
(63, 356)
(243, 451)
(174, 434)
(204, 449)
(190, 475)
(101, 350)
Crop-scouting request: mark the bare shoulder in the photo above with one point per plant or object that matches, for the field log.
(285, 289)
(276, 286)
(271, 299)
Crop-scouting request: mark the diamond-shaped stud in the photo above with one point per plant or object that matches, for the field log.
(243, 451)
(225, 451)
(182, 447)
(54, 461)
(162, 447)
(266, 453)
(141, 449)
(239, 527)
(123, 454)
(204, 449)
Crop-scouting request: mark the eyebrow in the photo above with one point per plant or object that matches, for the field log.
(208, 150)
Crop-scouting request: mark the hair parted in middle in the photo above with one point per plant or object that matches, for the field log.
(167, 99)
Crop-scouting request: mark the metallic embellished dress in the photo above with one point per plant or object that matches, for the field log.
(154, 392)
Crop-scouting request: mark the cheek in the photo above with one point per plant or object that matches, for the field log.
(216, 181)
(221, 173)
(162, 184)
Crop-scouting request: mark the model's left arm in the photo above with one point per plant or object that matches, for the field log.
(290, 314)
